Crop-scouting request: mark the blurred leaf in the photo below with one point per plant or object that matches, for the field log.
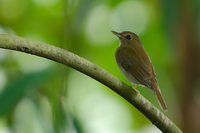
(60, 117)
(77, 124)
(14, 91)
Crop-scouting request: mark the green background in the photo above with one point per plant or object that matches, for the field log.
(41, 96)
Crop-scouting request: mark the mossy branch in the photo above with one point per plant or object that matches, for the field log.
(80, 64)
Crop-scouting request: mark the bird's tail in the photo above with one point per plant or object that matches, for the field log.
(160, 99)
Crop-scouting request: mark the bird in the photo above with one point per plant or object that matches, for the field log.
(135, 64)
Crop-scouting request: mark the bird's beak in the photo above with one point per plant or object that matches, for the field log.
(116, 33)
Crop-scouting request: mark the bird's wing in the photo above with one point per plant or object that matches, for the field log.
(136, 62)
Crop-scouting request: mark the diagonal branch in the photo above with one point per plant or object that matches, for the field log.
(70, 59)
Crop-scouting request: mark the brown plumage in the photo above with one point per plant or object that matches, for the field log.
(135, 64)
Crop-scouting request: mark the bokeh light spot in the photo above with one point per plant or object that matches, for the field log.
(130, 16)
(98, 26)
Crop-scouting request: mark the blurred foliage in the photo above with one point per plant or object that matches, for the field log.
(37, 95)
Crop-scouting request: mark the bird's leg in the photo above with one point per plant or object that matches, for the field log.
(135, 89)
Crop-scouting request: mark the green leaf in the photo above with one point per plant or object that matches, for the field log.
(14, 91)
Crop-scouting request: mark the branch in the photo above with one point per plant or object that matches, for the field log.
(70, 59)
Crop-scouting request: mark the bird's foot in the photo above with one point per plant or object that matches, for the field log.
(135, 89)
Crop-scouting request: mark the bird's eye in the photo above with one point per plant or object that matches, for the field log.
(128, 37)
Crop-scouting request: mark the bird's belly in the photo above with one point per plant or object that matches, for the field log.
(128, 76)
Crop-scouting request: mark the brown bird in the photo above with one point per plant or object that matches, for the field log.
(135, 64)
